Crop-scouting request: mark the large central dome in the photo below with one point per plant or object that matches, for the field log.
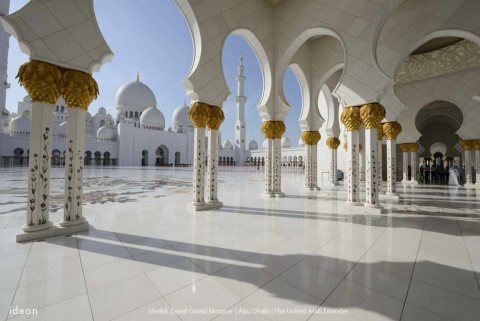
(135, 96)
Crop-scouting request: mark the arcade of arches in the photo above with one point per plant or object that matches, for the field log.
(397, 239)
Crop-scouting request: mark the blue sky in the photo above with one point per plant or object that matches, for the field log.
(152, 37)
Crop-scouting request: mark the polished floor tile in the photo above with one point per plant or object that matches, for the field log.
(307, 256)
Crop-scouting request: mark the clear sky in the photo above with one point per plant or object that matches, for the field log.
(152, 37)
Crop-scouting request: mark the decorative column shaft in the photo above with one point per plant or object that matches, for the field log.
(477, 163)
(43, 83)
(199, 114)
(332, 144)
(273, 132)
(79, 90)
(310, 139)
(391, 130)
(379, 158)
(214, 121)
(371, 115)
(414, 163)
(468, 146)
(351, 119)
(405, 150)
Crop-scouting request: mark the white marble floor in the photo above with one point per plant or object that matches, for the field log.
(304, 257)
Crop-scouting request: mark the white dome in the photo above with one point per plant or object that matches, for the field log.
(180, 120)
(102, 111)
(152, 118)
(300, 142)
(265, 144)
(253, 145)
(286, 142)
(135, 96)
(105, 132)
(20, 124)
(227, 145)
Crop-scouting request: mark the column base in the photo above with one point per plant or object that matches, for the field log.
(374, 206)
(200, 206)
(64, 223)
(390, 197)
(215, 204)
(405, 181)
(274, 194)
(36, 228)
(469, 185)
(414, 182)
(314, 188)
(79, 226)
(353, 203)
(53, 230)
(279, 194)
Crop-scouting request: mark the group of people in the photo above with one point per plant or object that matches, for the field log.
(440, 175)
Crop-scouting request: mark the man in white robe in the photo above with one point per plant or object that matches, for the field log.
(454, 176)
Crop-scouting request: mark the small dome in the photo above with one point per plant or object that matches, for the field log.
(135, 96)
(180, 120)
(300, 142)
(265, 144)
(27, 99)
(227, 145)
(286, 142)
(253, 145)
(88, 115)
(105, 132)
(20, 123)
(152, 118)
(102, 111)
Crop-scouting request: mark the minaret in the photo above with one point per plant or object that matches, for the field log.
(4, 37)
(240, 120)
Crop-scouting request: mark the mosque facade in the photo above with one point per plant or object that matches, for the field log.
(137, 134)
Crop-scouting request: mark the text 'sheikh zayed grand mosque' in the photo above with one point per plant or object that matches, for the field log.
(396, 83)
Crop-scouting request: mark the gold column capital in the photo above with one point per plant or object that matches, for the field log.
(351, 118)
(372, 114)
(380, 132)
(310, 137)
(79, 89)
(42, 81)
(405, 148)
(333, 142)
(216, 118)
(199, 114)
(477, 144)
(468, 145)
(413, 147)
(345, 145)
(273, 129)
(391, 130)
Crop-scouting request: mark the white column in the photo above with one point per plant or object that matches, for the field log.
(353, 188)
(379, 166)
(311, 167)
(74, 154)
(269, 190)
(371, 146)
(277, 167)
(39, 168)
(391, 167)
(414, 167)
(212, 171)
(332, 174)
(468, 168)
(405, 167)
(477, 167)
(199, 168)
